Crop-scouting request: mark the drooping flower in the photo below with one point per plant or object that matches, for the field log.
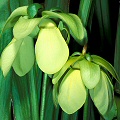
(51, 49)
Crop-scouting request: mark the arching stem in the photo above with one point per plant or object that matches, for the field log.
(84, 49)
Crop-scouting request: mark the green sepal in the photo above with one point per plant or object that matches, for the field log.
(73, 22)
(32, 10)
(24, 27)
(90, 73)
(24, 60)
(9, 54)
(67, 65)
(102, 94)
(105, 64)
(13, 18)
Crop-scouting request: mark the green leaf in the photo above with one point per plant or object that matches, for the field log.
(5, 96)
(24, 27)
(9, 54)
(105, 64)
(117, 54)
(90, 73)
(100, 95)
(32, 10)
(15, 16)
(102, 9)
(25, 57)
(51, 49)
(59, 5)
(21, 97)
(117, 101)
(67, 65)
(72, 92)
(73, 22)
(84, 10)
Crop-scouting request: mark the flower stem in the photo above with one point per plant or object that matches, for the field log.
(86, 110)
(43, 97)
(84, 49)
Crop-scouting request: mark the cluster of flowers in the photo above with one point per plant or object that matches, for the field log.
(72, 75)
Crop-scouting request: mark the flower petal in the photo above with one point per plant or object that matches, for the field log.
(25, 57)
(24, 27)
(90, 73)
(51, 50)
(72, 93)
(9, 54)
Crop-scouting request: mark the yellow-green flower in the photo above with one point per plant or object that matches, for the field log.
(51, 49)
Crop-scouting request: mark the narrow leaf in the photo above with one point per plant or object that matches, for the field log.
(58, 4)
(5, 96)
(21, 98)
(102, 10)
(117, 54)
(84, 10)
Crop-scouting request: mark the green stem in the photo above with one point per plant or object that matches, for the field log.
(33, 96)
(84, 49)
(86, 110)
(43, 97)
(92, 111)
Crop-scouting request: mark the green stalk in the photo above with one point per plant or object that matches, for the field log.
(86, 110)
(92, 111)
(84, 10)
(33, 96)
(43, 96)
